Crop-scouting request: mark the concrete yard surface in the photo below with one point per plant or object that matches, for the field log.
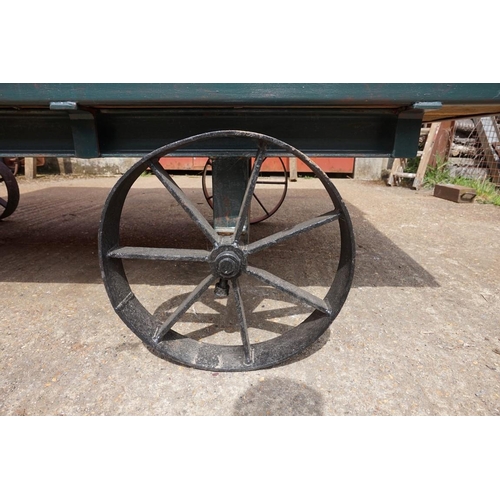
(419, 333)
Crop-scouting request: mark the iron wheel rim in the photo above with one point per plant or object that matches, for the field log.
(8, 205)
(214, 357)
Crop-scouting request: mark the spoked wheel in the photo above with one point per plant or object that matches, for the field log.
(232, 264)
(260, 208)
(9, 191)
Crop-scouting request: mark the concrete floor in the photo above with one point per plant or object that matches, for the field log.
(418, 335)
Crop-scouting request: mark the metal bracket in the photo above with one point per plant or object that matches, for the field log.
(229, 182)
(83, 128)
(428, 105)
(407, 133)
(408, 129)
(63, 106)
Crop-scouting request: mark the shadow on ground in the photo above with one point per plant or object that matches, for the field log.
(52, 238)
(279, 397)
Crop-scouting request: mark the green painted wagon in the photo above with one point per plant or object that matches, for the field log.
(237, 126)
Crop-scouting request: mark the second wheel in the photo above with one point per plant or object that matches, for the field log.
(270, 190)
(9, 191)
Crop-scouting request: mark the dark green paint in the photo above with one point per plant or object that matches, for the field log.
(83, 128)
(229, 180)
(248, 94)
(134, 119)
(319, 132)
(407, 132)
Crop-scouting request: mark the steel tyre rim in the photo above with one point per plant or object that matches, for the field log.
(198, 354)
(9, 204)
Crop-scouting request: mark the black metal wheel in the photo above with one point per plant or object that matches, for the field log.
(9, 191)
(12, 163)
(260, 209)
(228, 265)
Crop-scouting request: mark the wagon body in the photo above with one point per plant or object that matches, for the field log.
(94, 120)
(238, 126)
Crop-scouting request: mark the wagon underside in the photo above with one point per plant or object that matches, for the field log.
(93, 120)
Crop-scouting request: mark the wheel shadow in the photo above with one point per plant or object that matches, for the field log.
(222, 313)
(52, 238)
(210, 316)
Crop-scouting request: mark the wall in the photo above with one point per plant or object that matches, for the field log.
(80, 166)
(364, 168)
(369, 169)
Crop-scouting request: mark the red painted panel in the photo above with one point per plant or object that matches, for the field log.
(329, 165)
(179, 163)
(199, 162)
(274, 165)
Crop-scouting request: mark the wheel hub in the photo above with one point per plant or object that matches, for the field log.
(228, 266)
(228, 262)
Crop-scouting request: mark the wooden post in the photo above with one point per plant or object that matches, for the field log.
(443, 142)
(426, 156)
(397, 166)
(293, 169)
(60, 164)
(30, 168)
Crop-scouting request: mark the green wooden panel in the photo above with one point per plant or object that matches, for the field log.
(254, 94)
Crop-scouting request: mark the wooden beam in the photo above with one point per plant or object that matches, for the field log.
(454, 112)
(293, 169)
(397, 166)
(443, 142)
(30, 167)
(426, 156)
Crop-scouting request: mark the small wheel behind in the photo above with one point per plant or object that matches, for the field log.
(9, 191)
(13, 164)
(220, 316)
(260, 208)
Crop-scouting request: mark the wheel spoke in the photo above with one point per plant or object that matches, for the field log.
(186, 304)
(247, 198)
(280, 183)
(247, 347)
(148, 253)
(3, 202)
(303, 227)
(260, 203)
(289, 288)
(184, 201)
